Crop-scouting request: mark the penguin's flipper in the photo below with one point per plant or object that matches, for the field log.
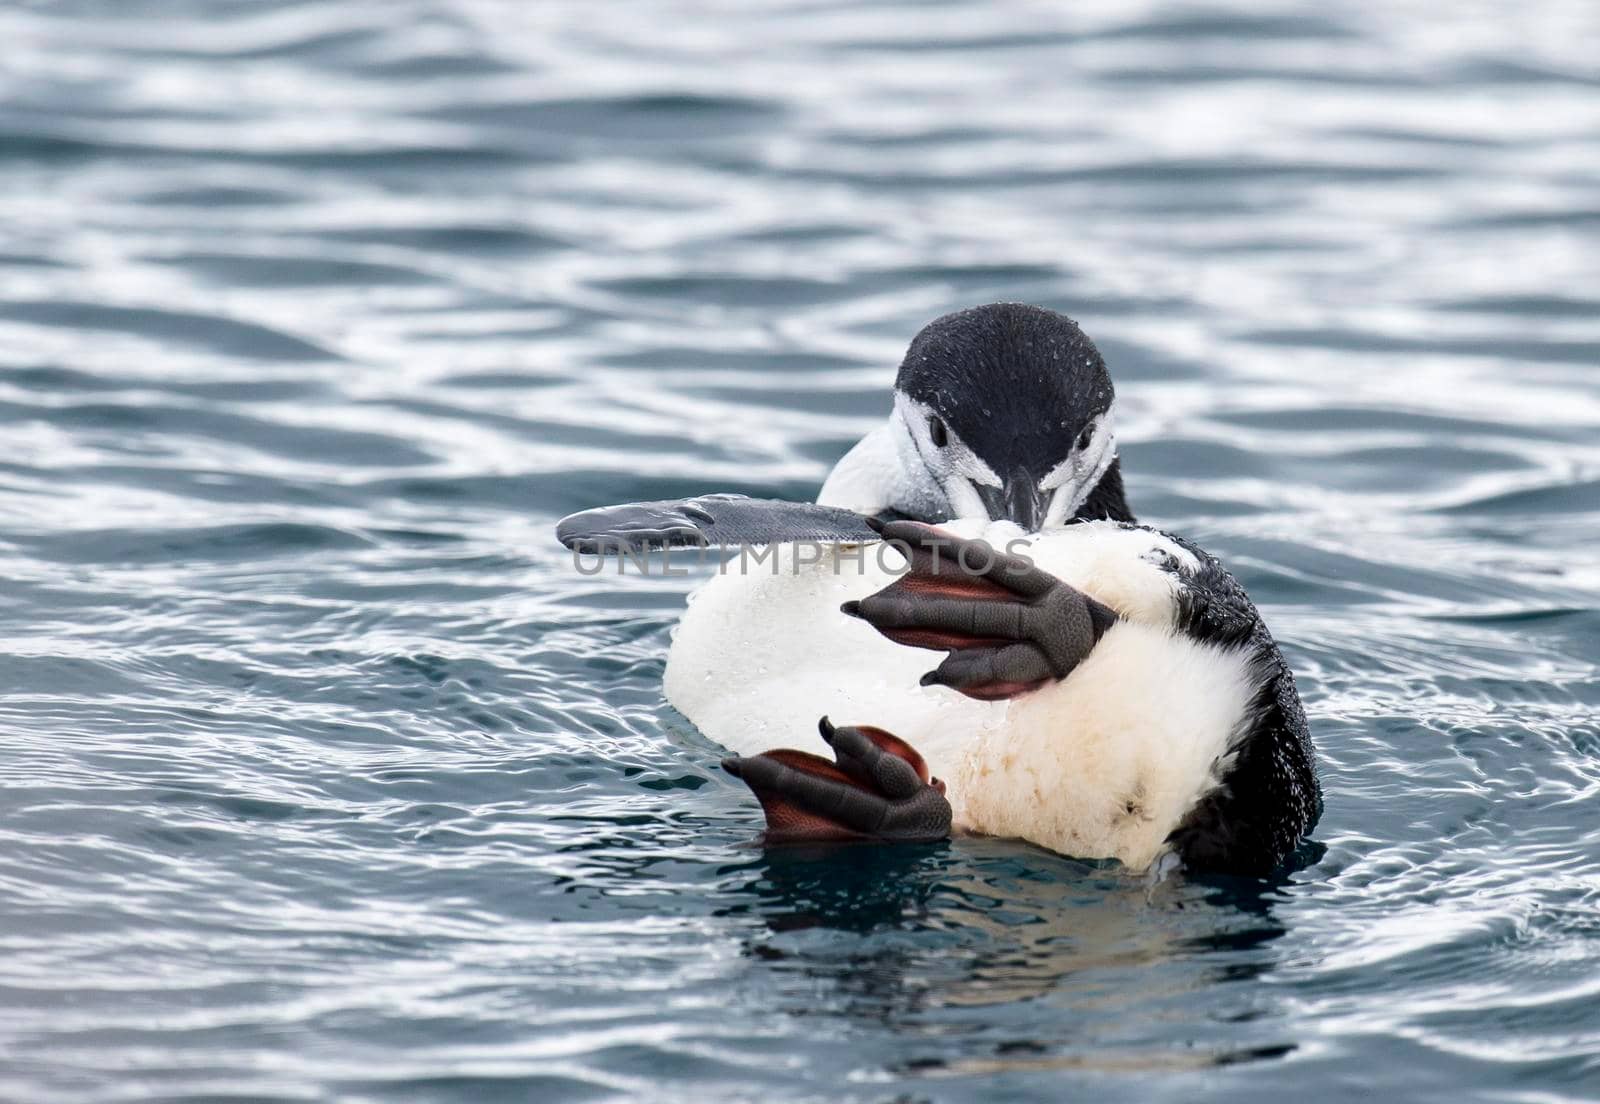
(713, 519)
(877, 788)
(1008, 626)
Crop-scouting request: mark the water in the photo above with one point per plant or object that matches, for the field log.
(326, 776)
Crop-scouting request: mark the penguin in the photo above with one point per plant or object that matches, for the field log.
(1108, 690)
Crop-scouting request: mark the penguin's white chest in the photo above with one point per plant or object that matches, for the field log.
(1103, 764)
(763, 651)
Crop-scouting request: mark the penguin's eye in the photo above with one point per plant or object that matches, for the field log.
(1084, 437)
(937, 432)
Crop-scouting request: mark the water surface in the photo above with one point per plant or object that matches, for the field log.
(327, 777)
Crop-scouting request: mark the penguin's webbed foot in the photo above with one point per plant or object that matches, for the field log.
(877, 787)
(1008, 626)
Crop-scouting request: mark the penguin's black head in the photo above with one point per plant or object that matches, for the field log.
(1009, 408)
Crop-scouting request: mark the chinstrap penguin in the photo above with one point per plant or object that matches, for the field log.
(1108, 691)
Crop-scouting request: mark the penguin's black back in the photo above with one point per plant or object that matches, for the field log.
(1271, 798)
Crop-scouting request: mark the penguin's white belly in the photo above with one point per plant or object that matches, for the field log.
(1103, 764)
(1107, 762)
(760, 656)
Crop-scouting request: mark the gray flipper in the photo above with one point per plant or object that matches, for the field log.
(714, 519)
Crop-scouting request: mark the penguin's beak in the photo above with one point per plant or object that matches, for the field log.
(1018, 499)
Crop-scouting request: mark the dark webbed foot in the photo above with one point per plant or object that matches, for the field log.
(877, 788)
(1009, 626)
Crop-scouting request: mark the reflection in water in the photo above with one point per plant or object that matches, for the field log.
(845, 887)
(955, 942)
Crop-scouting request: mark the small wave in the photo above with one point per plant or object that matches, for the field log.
(216, 333)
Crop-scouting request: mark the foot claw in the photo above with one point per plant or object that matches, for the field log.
(1008, 627)
(878, 787)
